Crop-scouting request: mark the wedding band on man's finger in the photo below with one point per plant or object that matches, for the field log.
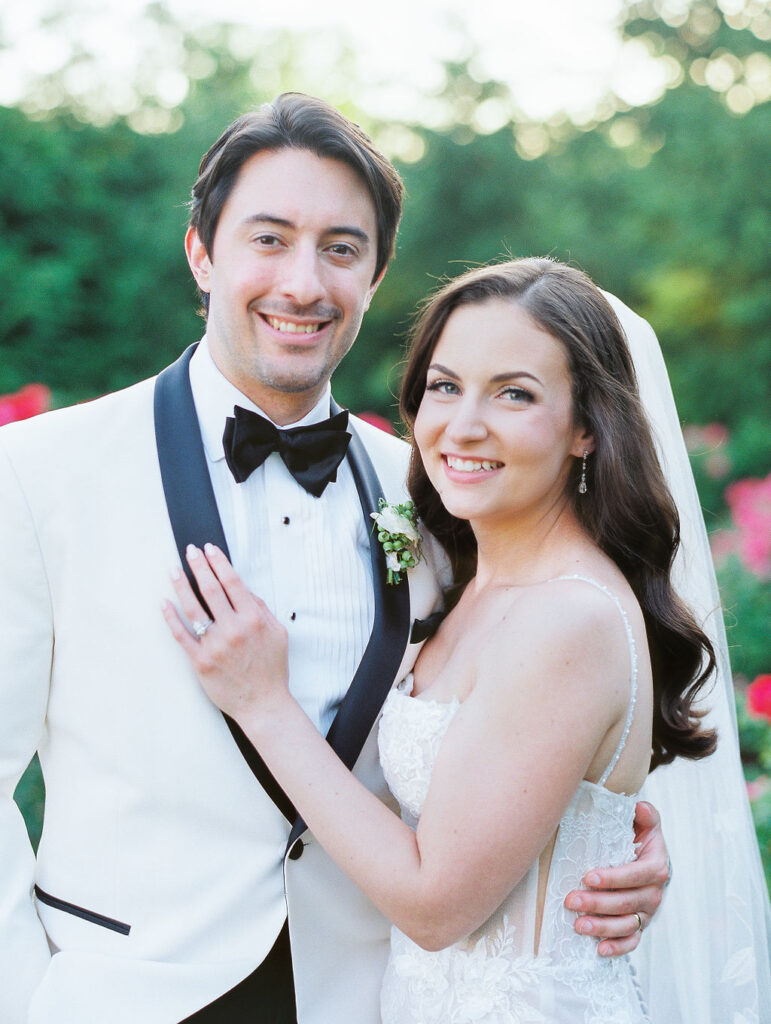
(639, 927)
(200, 628)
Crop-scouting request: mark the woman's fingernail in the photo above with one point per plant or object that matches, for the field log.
(592, 879)
(192, 551)
(585, 927)
(209, 549)
(574, 903)
(176, 573)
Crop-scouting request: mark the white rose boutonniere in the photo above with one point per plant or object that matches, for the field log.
(397, 531)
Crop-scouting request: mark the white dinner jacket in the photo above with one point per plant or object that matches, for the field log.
(163, 860)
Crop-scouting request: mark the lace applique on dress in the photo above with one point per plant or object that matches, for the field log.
(492, 976)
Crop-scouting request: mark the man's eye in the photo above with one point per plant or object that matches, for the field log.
(267, 240)
(342, 249)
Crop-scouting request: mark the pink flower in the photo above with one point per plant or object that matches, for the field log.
(718, 465)
(722, 544)
(750, 504)
(377, 421)
(704, 439)
(758, 787)
(759, 696)
(715, 435)
(31, 400)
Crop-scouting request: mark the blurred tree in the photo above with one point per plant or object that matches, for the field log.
(667, 205)
(708, 213)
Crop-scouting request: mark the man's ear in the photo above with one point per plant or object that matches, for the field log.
(198, 258)
(373, 288)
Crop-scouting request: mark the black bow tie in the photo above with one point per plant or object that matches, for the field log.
(311, 454)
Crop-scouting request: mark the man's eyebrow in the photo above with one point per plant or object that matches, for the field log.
(349, 229)
(268, 218)
(497, 379)
(336, 229)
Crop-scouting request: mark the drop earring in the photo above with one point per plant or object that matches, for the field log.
(582, 483)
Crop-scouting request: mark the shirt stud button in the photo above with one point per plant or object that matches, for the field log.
(285, 520)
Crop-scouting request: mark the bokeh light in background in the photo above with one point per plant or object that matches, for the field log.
(556, 55)
(560, 59)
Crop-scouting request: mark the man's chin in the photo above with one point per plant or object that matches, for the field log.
(294, 380)
(295, 385)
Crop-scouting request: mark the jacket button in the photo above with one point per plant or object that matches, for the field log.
(297, 850)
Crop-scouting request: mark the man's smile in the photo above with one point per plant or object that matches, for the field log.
(294, 326)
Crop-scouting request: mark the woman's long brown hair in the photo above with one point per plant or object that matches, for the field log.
(627, 510)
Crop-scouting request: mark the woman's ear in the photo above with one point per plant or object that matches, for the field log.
(584, 442)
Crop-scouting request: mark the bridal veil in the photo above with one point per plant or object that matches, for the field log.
(705, 958)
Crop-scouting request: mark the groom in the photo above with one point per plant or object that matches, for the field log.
(173, 880)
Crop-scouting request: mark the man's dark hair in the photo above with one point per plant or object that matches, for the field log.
(294, 120)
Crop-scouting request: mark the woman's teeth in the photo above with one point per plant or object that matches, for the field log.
(471, 465)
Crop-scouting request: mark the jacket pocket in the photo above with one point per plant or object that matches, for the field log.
(86, 915)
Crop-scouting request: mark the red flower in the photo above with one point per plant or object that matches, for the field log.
(376, 420)
(31, 400)
(759, 696)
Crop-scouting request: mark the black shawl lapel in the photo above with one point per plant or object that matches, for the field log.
(184, 472)
(195, 520)
(193, 512)
(383, 654)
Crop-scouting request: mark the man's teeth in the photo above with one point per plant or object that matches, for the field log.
(471, 465)
(290, 327)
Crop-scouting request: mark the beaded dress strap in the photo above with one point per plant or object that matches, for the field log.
(633, 670)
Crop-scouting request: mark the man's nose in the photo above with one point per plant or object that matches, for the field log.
(302, 282)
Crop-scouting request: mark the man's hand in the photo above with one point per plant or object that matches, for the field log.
(614, 897)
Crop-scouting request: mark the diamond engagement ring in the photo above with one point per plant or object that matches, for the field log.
(199, 628)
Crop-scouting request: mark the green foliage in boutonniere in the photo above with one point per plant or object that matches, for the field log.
(397, 531)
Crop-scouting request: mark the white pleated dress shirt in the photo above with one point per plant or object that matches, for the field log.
(307, 558)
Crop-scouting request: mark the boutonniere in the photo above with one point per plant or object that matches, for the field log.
(397, 531)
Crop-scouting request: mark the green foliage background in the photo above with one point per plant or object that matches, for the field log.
(668, 206)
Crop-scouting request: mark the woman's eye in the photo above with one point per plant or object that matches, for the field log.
(443, 387)
(515, 394)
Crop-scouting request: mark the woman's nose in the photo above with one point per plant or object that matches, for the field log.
(467, 422)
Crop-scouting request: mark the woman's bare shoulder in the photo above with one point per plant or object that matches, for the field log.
(572, 628)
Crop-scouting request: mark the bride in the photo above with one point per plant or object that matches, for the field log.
(565, 670)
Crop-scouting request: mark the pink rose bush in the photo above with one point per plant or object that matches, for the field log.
(29, 401)
(759, 696)
(376, 420)
(750, 504)
(758, 788)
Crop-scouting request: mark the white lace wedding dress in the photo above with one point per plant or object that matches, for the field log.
(492, 976)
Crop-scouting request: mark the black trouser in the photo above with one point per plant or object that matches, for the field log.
(265, 997)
